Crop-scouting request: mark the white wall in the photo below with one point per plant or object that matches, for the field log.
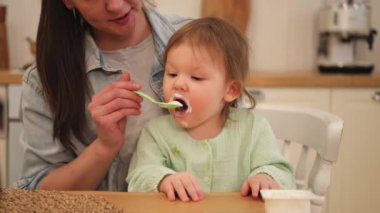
(188, 8)
(22, 20)
(282, 33)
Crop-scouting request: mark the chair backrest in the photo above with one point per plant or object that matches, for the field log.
(314, 130)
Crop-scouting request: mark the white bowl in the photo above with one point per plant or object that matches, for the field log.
(287, 201)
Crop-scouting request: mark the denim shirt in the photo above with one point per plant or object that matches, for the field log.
(42, 153)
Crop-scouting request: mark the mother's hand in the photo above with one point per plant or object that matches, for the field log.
(110, 107)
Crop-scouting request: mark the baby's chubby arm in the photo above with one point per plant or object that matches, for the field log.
(253, 184)
(184, 184)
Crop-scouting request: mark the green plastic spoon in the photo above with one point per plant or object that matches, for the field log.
(167, 105)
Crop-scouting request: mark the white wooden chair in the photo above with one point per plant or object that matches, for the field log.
(314, 130)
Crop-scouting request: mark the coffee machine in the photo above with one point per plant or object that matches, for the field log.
(345, 37)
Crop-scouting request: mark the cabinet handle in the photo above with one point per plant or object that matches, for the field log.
(257, 94)
(376, 96)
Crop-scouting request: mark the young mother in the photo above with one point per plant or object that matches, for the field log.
(81, 118)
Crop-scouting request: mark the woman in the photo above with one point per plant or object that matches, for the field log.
(81, 118)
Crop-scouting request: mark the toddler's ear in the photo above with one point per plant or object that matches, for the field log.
(68, 4)
(233, 91)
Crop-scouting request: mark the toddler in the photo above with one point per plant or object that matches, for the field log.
(207, 145)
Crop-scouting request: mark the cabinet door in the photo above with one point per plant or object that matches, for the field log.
(307, 97)
(355, 180)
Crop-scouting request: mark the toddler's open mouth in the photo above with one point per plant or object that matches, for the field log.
(185, 106)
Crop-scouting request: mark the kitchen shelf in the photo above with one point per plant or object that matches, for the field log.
(270, 79)
(312, 79)
(10, 77)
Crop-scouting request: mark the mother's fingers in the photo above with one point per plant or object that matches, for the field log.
(109, 120)
(114, 105)
(126, 85)
(125, 76)
(112, 94)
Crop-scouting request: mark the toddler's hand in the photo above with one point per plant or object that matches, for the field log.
(255, 183)
(184, 184)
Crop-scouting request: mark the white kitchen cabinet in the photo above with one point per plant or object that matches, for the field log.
(318, 98)
(355, 182)
(14, 148)
(11, 156)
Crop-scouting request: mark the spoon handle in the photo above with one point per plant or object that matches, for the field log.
(167, 105)
(146, 96)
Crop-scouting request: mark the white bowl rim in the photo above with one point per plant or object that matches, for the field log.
(268, 194)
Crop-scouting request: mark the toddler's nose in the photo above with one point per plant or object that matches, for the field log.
(180, 84)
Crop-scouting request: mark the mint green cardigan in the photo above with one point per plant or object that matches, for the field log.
(246, 146)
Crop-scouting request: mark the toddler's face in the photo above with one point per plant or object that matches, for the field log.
(199, 82)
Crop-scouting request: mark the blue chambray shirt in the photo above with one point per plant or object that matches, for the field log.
(42, 153)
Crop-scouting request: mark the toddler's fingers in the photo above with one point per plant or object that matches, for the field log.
(255, 188)
(265, 185)
(245, 188)
(274, 185)
(198, 188)
(170, 193)
(181, 192)
(190, 187)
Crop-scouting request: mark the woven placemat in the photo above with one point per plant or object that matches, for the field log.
(19, 200)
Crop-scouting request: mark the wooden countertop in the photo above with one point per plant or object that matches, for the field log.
(312, 79)
(10, 77)
(270, 79)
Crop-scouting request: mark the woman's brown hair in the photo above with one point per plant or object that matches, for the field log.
(60, 59)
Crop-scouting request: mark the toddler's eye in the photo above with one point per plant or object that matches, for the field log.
(171, 74)
(196, 78)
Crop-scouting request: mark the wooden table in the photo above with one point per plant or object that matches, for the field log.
(157, 202)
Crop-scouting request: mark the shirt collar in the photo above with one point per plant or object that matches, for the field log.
(94, 58)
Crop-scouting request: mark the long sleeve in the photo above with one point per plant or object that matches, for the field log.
(42, 153)
(148, 165)
(266, 157)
